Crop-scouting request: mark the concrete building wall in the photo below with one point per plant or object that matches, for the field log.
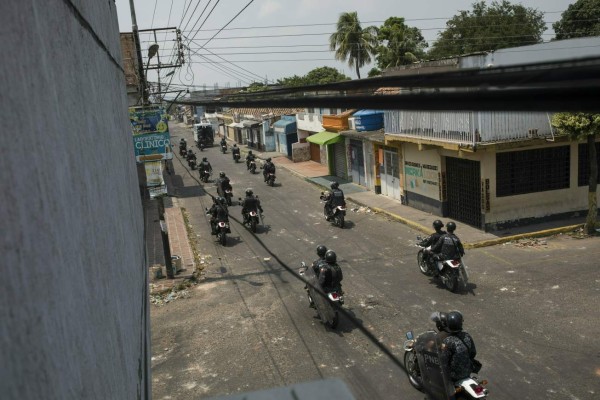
(73, 304)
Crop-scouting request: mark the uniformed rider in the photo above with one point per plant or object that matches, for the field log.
(249, 157)
(459, 347)
(235, 151)
(205, 166)
(269, 168)
(330, 274)
(218, 212)
(448, 246)
(333, 198)
(223, 184)
(250, 203)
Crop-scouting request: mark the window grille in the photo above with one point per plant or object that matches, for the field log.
(531, 171)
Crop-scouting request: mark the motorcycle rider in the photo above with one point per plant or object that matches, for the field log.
(223, 142)
(268, 168)
(330, 274)
(249, 157)
(459, 347)
(190, 155)
(218, 212)
(223, 184)
(235, 151)
(448, 246)
(432, 239)
(333, 198)
(205, 166)
(321, 251)
(250, 203)
(182, 146)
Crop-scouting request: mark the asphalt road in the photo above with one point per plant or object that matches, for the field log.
(532, 310)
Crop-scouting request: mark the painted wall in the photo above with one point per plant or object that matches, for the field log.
(73, 301)
(309, 122)
(421, 170)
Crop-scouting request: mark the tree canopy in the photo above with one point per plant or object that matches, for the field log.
(318, 76)
(581, 19)
(352, 43)
(399, 44)
(485, 28)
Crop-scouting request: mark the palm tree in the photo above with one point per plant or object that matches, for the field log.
(353, 43)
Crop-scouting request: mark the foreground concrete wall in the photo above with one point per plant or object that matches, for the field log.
(73, 315)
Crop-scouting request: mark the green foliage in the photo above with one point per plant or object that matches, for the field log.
(292, 81)
(485, 28)
(352, 43)
(581, 19)
(322, 75)
(577, 125)
(399, 44)
(317, 76)
(374, 72)
(256, 87)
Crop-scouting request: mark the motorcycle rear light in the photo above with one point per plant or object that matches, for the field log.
(334, 295)
(455, 262)
(478, 389)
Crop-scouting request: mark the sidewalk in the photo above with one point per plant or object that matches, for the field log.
(317, 174)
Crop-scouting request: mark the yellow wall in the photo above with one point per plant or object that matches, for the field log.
(421, 171)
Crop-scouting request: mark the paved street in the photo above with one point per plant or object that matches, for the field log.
(532, 310)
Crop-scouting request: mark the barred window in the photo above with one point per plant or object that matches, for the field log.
(583, 171)
(531, 171)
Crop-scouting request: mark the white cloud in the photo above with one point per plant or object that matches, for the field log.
(269, 7)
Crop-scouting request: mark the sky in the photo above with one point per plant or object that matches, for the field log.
(231, 57)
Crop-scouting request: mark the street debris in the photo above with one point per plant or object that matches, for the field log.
(529, 242)
(366, 210)
(160, 298)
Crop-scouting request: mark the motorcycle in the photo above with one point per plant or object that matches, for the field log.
(251, 220)
(271, 179)
(222, 231)
(326, 306)
(228, 196)
(201, 146)
(236, 157)
(205, 175)
(192, 163)
(427, 369)
(183, 151)
(252, 167)
(223, 148)
(453, 273)
(338, 213)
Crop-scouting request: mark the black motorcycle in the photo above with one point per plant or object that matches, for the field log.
(337, 215)
(236, 157)
(452, 273)
(204, 175)
(252, 167)
(251, 220)
(223, 148)
(427, 369)
(192, 162)
(325, 303)
(183, 151)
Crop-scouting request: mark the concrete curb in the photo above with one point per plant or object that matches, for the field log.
(542, 233)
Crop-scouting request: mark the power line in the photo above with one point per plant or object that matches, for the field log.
(192, 14)
(185, 12)
(230, 21)
(205, 19)
(153, 13)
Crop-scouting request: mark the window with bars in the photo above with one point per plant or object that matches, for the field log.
(531, 171)
(583, 170)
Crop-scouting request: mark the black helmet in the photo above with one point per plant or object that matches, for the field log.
(222, 174)
(269, 159)
(451, 226)
(330, 256)
(249, 151)
(454, 321)
(334, 185)
(437, 224)
(189, 150)
(204, 159)
(234, 145)
(321, 250)
(249, 192)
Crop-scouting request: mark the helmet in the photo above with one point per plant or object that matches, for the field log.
(437, 224)
(334, 185)
(454, 321)
(249, 192)
(451, 226)
(222, 174)
(189, 150)
(321, 250)
(234, 145)
(330, 256)
(249, 151)
(269, 159)
(204, 159)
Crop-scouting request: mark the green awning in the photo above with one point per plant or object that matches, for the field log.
(324, 138)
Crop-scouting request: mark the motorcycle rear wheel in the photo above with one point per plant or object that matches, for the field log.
(334, 322)
(412, 370)
(222, 238)
(452, 281)
(253, 225)
(339, 220)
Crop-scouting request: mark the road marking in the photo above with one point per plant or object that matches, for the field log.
(498, 258)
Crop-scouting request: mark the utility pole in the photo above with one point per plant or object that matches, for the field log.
(138, 50)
